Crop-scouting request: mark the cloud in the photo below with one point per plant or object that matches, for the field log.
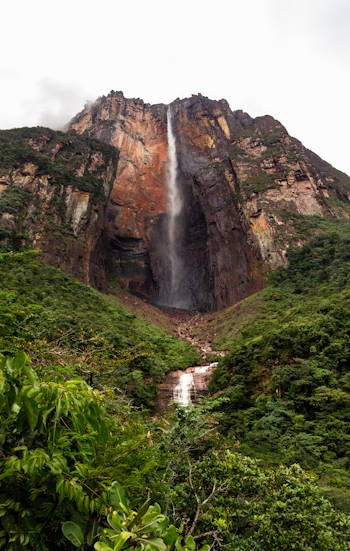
(8, 73)
(323, 24)
(46, 102)
(287, 59)
(57, 102)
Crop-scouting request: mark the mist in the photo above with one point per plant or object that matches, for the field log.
(49, 102)
(58, 102)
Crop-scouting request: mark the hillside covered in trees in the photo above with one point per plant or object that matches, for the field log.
(261, 464)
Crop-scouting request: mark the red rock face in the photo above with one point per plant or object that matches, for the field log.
(246, 184)
(139, 133)
(138, 198)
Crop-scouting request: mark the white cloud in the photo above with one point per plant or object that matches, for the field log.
(288, 59)
(57, 102)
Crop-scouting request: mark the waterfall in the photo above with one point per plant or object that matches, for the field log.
(192, 383)
(185, 387)
(182, 391)
(174, 209)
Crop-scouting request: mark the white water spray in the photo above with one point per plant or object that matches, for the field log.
(182, 391)
(174, 209)
(193, 382)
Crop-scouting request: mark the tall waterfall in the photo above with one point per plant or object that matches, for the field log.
(175, 204)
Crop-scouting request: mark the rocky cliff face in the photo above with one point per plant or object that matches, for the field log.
(53, 195)
(138, 201)
(247, 188)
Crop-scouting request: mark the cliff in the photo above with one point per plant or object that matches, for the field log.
(53, 194)
(248, 188)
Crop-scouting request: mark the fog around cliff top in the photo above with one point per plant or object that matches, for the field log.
(286, 59)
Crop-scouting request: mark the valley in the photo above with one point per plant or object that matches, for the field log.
(174, 334)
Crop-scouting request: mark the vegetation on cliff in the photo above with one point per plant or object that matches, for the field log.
(73, 329)
(286, 376)
(70, 451)
(54, 187)
(54, 153)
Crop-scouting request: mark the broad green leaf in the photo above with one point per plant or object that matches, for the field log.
(121, 539)
(118, 497)
(171, 536)
(58, 409)
(114, 521)
(152, 512)
(155, 544)
(32, 376)
(46, 414)
(205, 547)
(190, 543)
(155, 521)
(31, 411)
(100, 546)
(9, 365)
(20, 360)
(73, 533)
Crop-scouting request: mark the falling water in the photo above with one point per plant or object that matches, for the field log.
(192, 383)
(174, 209)
(182, 391)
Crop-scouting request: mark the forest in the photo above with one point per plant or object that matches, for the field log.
(87, 461)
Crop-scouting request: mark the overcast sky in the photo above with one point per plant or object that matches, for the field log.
(286, 58)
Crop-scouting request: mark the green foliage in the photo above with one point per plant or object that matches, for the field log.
(226, 499)
(54, 153)
(56, 469)
(306, 227)
(73, 533)
(61, 161)
(147, 528)
(286, 375)
(268, 509)
(64, 445)
(50, 314)
(273, 136)
(13, 200)
(53, 437)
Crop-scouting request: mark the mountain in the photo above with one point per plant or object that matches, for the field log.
(249, 191)
(247, 187)
(87, 459)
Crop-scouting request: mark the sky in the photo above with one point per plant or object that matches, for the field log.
(286, 58)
